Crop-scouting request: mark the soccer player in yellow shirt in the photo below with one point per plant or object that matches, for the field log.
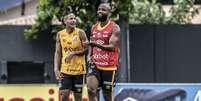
(69, 60)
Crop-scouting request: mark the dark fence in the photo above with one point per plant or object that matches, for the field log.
(165, 53)
(23, 61)
(158, 53)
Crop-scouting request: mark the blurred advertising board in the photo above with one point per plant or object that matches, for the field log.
(122, 92)
(29, 92)
(157, 92)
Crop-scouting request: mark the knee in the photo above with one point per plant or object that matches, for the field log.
(92, 91)
(64, 93)
(92, 83)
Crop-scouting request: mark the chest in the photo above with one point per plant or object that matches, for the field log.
(70, 41)
(103, 35)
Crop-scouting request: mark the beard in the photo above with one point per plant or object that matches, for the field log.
(102, 18)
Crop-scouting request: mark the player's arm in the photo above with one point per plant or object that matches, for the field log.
(112, 42)
(89, 56)
(81, 51)
(84, 40)
(57, 57)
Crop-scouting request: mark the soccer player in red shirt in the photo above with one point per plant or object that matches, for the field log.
(103, 54)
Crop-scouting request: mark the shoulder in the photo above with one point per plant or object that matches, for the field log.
(58, 36)
(81, 31)
(61, 32)
(94, 25)
(116, 28)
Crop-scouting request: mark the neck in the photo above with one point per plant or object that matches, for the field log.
(70, 29)
(103, 23)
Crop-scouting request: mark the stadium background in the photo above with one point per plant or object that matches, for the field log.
(149, 53)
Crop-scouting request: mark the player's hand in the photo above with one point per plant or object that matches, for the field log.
(92, 43)
(57, 74)
(86, 43)
(69, 57)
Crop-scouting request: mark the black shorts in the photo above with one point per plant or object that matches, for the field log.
(72, 82)
(106, 78)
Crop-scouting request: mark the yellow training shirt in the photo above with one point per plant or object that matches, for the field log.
(71, 42)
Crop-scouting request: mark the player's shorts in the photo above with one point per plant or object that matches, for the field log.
(72, 82)
(106, 78)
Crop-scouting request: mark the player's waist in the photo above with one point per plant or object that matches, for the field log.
(107, 68)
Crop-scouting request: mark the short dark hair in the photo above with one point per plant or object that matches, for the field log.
(65, 16)
(107, 5)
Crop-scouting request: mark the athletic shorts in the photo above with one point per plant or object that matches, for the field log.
(72, 82)
(106, 78)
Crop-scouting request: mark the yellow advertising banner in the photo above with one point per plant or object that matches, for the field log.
(29, 92)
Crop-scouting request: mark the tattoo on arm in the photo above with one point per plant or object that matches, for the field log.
(114, 40)
(83, 38)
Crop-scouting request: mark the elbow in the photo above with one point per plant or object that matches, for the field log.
(112, 48)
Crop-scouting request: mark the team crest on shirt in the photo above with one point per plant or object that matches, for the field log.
(75, 39)
(64, 40)
(99, 34)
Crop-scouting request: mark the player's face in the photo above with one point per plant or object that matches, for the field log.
(70, 20)
(102, 13)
